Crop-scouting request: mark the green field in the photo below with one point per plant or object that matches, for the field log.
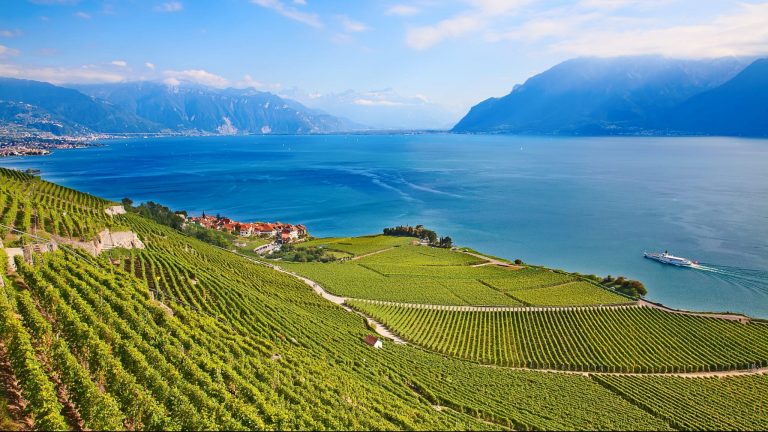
(564, 295)
(27, 203)
(426, 275)
(630, 339)
(357, 245)
(357, 281)
(732, 403)
(184, 335)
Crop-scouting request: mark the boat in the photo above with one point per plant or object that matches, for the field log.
(666, 258)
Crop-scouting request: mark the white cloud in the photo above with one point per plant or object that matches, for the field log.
(300, 2)
(196, 76)
(402, 10)
(739, 33)
(5, 51)
(119, 63)
(371, 102)
(496, 7)
(249, 82)
(479, 16)
(60, 75)
(351, 25)
(83, 15)
(172, 6)
(424, 37)
(150, 66)
(290, 12)
(9, 33)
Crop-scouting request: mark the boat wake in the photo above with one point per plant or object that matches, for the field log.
(754, 280)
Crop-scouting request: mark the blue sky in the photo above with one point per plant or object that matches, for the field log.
(449, 54)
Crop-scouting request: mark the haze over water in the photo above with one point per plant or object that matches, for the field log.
(591, 205)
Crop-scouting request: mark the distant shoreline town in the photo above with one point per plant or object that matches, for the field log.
(283, 233)
(41, 145)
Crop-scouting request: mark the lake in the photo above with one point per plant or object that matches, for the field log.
(591, 205)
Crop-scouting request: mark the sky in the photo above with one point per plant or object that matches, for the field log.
(446, 55)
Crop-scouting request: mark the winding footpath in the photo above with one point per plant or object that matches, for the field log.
(468, 308)
(385, 332)
(341, 301)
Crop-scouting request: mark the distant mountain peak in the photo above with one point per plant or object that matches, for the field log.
(618, 95)
(145, 106)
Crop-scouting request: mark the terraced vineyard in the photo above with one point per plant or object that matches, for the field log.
(564, 295)
(629, 339)
(524, 400)
(183, 335)
(733, 403)
(358, 245)
(27, 203)
(420, 274)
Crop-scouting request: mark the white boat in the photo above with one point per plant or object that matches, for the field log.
(666, 258)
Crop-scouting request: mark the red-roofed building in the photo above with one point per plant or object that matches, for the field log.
(284, 233)
(373, 341)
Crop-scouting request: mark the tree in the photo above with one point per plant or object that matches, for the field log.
(127, 203)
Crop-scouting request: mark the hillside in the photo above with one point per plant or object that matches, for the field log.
(738, 107)
(184, 335)
(195, 107)
(70, 107)
(623, 95)
(145, 107)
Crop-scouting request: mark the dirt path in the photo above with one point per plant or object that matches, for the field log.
(341, 301)
(466, 308)
(716, 374)
(730, 317)
(491, 261)
(385, 332)
(371, 253)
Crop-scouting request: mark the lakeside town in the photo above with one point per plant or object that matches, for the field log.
(282, 233)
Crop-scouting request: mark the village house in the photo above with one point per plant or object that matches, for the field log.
(245, 230)
(282, 233)
(265, 229)
(373, 341)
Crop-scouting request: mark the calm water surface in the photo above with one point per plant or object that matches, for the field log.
(591, 205)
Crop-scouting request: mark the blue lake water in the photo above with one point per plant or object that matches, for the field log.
(591, 205)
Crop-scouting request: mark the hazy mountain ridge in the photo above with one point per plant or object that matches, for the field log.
(70, 107)
(738, 107)
(140, 107)
(383, 109)
(623, 95)
(194, 107)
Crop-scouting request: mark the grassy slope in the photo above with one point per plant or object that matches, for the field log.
(245, 342)
(420, 274)
(603, 340)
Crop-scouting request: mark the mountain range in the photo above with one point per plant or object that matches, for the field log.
(644, 95)
(145, 107)
(632, 95)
